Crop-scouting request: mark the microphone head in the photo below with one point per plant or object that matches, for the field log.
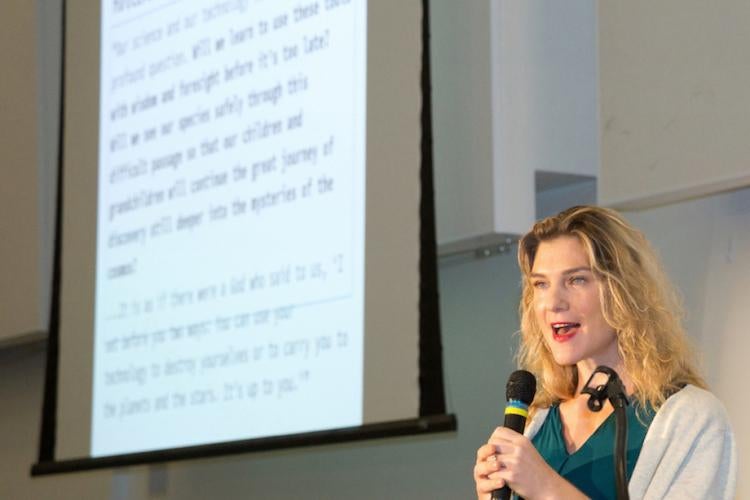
(521, 386)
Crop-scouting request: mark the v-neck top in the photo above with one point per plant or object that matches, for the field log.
(591, 467)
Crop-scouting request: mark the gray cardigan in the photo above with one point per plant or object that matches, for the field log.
(689, 450)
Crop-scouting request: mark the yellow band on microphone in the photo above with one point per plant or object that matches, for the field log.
(514, 410)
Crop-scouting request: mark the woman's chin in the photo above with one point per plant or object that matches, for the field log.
(564, 359)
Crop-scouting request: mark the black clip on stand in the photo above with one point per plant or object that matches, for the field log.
(614, 391)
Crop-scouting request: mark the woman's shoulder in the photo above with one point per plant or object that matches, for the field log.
(695, 397)
(694, 407)
(689, 450)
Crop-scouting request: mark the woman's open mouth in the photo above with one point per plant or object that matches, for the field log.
(564, 331)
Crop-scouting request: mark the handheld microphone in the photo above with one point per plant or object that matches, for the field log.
(519, 392)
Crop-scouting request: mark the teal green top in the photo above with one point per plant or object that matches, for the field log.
(591, 468)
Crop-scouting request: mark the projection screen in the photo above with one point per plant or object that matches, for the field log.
(242, 261)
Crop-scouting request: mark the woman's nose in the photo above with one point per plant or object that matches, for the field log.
(557, 299)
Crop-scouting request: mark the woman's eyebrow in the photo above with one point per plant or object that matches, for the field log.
(577, 270)
(566, 272)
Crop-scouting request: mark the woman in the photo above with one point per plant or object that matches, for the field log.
(594, 294)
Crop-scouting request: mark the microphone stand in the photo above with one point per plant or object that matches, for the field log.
(614, 391)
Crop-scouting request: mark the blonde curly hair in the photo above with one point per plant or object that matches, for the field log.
(637, 300)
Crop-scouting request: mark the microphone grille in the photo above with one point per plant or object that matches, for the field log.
(521, 386)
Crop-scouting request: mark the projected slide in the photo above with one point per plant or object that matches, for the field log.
(230, 234)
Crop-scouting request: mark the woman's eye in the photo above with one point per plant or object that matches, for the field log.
(539, 284)
(577, 280)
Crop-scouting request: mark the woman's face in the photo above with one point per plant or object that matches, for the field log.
(568, 307)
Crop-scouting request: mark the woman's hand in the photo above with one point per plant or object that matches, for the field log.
(508, 457)
(486, 470)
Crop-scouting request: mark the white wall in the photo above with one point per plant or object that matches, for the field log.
(20, 276)
(675, 113)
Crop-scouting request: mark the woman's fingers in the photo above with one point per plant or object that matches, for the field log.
(506, 434)
(486, 452)
(489, 485)
(485, 469)
(494, 460)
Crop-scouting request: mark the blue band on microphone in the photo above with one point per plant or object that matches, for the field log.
(517, 407)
